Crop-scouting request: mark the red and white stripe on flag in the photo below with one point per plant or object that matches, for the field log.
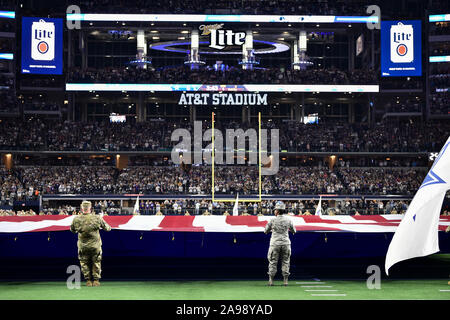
(376, 223)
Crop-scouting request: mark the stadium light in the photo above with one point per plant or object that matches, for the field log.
(439, 59)
(8, 14)
(6, 56)
(439, 17)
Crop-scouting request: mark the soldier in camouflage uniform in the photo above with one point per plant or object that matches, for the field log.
(87, 226)
(280, 244)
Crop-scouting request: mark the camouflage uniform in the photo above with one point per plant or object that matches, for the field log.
(89, 244)
(280, 244)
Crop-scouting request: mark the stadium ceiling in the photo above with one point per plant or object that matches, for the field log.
(219, 18)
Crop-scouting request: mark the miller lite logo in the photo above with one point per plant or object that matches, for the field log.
(402, 43)
(43, 41)
(221, 38)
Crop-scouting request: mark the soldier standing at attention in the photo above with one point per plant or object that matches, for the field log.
(280, 244)
(87, 226)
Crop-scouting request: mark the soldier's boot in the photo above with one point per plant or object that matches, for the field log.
(96, 283)
(88, 283)
(270, 283)
(285, 281)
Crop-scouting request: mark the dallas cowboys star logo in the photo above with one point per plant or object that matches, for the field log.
(432, 177)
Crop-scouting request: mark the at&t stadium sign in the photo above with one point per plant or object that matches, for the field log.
(227, 99)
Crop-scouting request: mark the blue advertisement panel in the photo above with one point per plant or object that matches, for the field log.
(42, 45)
(401, 48)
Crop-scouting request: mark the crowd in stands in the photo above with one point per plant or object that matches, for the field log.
(8, 102)
(10, 187)
(41, 106)
(63, 180)
(440, 103)
(440, 29)
(58, 135)
(207, 207)
(407, 105)
(6, 25)
(83, 160)
(440, 81)
(105, 207)
(47, 82)
(6, 45)
(388, 136)
(439, 87)
(232, 76)
(442, 50)
(38, 134)
(387, 181)
(401, 83)
(28, 182)
(266, 207)
(158, 161)
(10, 212)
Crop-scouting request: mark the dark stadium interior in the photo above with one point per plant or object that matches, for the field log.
(367, 150)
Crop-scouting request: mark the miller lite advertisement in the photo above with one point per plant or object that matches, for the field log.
(401, 48)
(42, 41)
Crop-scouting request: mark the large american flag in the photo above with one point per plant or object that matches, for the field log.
(375, 223)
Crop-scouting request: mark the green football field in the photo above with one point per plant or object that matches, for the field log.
(229, 290)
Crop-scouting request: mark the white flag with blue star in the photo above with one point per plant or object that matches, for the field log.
(236, 206)
(417, 234)
(136, 206)
(319, 207)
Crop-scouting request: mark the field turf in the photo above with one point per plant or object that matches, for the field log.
(229, 290)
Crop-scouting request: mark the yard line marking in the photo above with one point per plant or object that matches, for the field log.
(317, 286)
(329, 294)
(444, 290)
(315, 282)
(320, 290)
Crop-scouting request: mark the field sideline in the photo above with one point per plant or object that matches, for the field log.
(229, 290)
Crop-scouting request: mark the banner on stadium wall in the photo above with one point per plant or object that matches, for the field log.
(401, 48)
(42, 45)
(225, 99)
